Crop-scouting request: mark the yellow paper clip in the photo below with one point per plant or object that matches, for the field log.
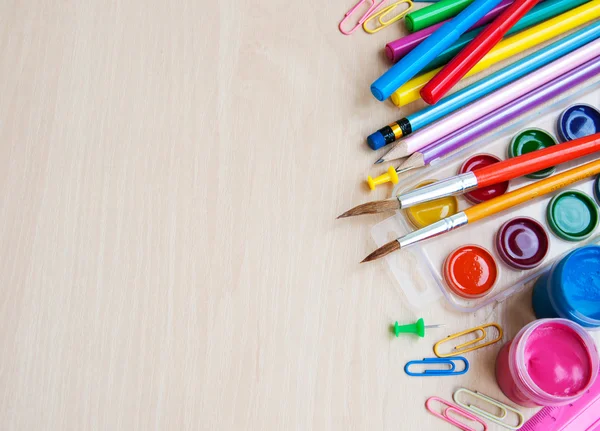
(457, 350)
(383, 12)
(498, 419)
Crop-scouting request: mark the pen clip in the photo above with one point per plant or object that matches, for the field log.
(432, 372)
(379, 15)
(451, 408)
(460, 349)
(497, 419)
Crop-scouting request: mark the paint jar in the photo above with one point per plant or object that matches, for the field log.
(522, 243)
(571, 289)
(572, 215)
(529, 140)
(597, 188)
(430, 212)
(578, 121)
(470, 271)
(483, 194)
(551, 362)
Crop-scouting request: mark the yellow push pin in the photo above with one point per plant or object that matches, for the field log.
(389, 176)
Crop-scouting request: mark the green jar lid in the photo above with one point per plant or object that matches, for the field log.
(529, 140)
(572, 215)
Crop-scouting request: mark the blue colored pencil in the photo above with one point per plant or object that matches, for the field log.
(418, 120)
(430, 48)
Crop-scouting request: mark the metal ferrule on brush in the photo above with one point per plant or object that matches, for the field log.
(435, 229)
(451, 186)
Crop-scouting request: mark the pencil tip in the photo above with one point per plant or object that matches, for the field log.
(379, 161)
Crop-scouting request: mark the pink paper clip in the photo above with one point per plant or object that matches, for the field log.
(451, 408)
(372, 9)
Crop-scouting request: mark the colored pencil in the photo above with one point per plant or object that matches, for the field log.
(509, 47)
(491, 102)
(500, 117)
(458, 67)
(489, 208)
(418, 120)
(496, 173)
(397, 49)
(430, 48)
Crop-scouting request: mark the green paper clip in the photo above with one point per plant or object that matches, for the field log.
(497, 419)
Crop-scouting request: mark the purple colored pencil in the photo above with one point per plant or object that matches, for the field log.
(509, 112)
(397, 49)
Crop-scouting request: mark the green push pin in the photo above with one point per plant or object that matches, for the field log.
(417, 328)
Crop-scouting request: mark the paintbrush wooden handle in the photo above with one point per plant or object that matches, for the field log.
(536, 160)
(532, 191)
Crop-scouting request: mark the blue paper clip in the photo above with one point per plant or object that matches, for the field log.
(448, 361)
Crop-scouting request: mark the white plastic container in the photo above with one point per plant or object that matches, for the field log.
(425, 284)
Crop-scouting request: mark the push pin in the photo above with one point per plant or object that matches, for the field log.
(417, 328)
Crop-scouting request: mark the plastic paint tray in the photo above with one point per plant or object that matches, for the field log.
(424, 283)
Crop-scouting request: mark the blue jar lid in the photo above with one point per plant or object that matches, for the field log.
(578, 121)
(575, 286)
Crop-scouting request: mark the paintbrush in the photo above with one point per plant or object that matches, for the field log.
(489, 208)
(496, 119)
(486, 176)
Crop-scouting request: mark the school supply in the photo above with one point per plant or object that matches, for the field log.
(488, 208)
(435, 13)
(523, 87)
(466, 59)
(430, 48)
(451, 371)
(418, 120)
(372, 9)
(470, 345)
(540, 13)
(508, 112)
(499, 419)
(580, 415)
(384, 12)
(397, 49)
(496, 173)
(417, 328)
(456, 411)
(513, 45)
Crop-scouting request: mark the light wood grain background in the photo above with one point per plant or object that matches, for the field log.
(170, 173)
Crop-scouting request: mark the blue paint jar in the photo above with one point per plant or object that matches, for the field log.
(571, 289)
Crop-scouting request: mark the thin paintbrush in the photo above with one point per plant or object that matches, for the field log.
(493, 101)
(489, 208)
(507, 113)
(489, 175)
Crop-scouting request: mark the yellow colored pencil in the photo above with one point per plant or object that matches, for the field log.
(489, 208)
(513, 45)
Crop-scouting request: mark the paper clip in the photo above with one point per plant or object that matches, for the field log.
(379, 15)
(451, 408)
(458, 348)
(372, 9)
(449, 372)
(498, 419)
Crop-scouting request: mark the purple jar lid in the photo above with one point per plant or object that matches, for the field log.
(522, 243)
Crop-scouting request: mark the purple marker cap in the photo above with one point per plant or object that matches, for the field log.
(399, 48)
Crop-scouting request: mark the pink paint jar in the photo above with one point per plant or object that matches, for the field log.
(551, 362)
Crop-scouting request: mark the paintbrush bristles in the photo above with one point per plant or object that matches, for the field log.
(383, 251)
(373, 208)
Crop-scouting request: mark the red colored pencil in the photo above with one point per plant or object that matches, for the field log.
(465, 60)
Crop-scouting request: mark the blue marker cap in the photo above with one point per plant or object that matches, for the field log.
(376, 140)
(578, 121)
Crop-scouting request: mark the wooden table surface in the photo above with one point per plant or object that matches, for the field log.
(170, 174)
